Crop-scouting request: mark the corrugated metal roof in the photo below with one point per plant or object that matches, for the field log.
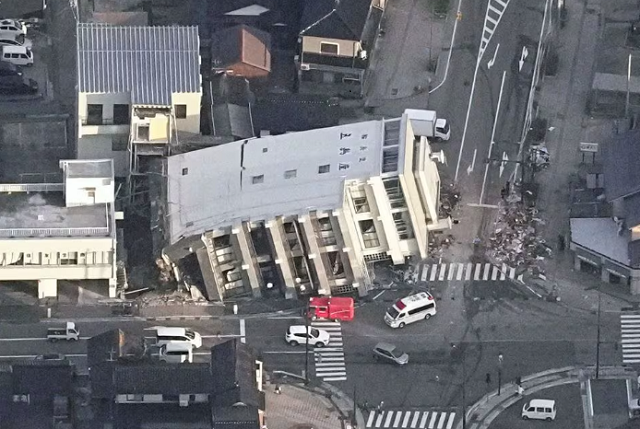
(149, 62)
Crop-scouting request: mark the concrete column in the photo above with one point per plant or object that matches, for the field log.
(385, 225)
(48, 288)
(352, 249)
(307, 223)
(282, 256)
(113, 288)
(634, 287)
(576, 263)
(249, 264)
(604, 274)
(335, 226)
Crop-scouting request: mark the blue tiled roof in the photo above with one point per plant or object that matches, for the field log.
(151, 63)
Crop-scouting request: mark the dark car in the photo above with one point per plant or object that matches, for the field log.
(51, 356)
(9, 69)
(16, 85)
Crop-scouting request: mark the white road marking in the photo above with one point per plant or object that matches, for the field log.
(243, 331)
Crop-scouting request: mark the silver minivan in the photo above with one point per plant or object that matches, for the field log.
(177, 352)
(165, 335)
(18, 55)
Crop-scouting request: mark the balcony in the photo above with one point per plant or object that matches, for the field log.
(95, 126)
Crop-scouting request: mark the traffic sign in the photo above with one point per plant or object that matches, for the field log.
(589, 147)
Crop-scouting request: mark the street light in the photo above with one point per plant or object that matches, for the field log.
(598, 337)
(306, 343)
(500, 359)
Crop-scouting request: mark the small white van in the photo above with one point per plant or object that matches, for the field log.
(420, 306)
(166, 335)
(18, 55)
(539, 409)
(177, 352)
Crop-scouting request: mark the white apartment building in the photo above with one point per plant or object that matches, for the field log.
(303, 212)
(60, 231)
(139, 89)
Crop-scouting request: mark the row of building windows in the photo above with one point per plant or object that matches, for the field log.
(289, 174)
(122, 114)
(59, 258)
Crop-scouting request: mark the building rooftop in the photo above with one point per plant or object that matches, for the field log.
(88, 169)
(601, 235)
(287, 174)
(151, 63)
(243, 44)
(44, 214)
(338, 19)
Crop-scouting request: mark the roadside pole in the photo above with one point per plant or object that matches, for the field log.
(453, 39)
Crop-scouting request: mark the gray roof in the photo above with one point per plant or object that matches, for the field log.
(151, 63)
(600, 235)
(621, 157)
(99, 168)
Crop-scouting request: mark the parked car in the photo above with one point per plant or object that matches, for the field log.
(17, 85)
(298, 334)
(51, 356)
(176, 352)
(390, 353)
(27, 43)
(18, 55)
(12, 29)
(9, 69)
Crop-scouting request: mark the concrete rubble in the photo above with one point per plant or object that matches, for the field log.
(515, 242)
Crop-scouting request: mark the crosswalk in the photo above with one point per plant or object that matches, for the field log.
(495, 10)
(412, 419)
(329, 360)
(630, 332)
(468, 271)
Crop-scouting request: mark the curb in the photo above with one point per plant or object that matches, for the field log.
(348, 401)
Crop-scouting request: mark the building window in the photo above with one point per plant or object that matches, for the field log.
(403, 225)
(265, 149)
(181, 111)
(329, 48)
(94, 114)
(70, 258)
(290, 174)
(369, 234)
(185, 171)
(394, 192)
(257, 179)
(121, 114)
(324, 169)
(143, 132)
(390, 160)
(361, 205)
(119, 143)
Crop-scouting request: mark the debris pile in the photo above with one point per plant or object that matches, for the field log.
(514, 241)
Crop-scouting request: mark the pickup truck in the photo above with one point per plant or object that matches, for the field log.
(68, 333)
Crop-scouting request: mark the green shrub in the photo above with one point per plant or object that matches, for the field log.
(441, 7)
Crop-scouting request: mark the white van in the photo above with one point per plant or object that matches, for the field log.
(177, 352)
(420, 306)
(18, 55)
(165, 335)
(539, 409)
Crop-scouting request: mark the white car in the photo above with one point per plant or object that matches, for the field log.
(12, 29)
(298, 334)
(10, 42)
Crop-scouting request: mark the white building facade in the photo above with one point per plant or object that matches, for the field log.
(304, 212)
(60, 231)
(138, 89)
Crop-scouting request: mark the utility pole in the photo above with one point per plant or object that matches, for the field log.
(306, 344)
(500, 359)
(598, 337)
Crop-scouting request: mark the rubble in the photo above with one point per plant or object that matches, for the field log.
(514, 241)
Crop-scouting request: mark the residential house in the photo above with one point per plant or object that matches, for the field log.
(336, 40)
(61, 231)
(139, 92)
(610, 246)
(36, 394)
(134, 390)
(303, 212)
(241, 51)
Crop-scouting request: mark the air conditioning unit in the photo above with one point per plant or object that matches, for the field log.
(363, 55)
(439, 156)
(304, 66)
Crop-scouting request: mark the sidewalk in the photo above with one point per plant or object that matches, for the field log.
(307, 407)
(104, 311)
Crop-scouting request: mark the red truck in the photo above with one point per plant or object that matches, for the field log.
(338, 308)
